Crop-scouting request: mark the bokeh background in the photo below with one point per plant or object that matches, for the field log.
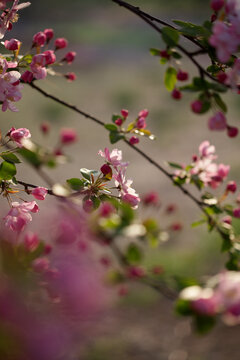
(115, 70)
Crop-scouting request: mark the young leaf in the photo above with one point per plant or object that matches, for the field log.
(170, 36)
(76, 184)
(111, 127)
(115, 137)
(10, 157)
(7, 170)
(170, 78)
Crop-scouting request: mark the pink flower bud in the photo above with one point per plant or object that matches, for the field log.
(47, 249)
(182, 75)
(236, 213)
(232, 131)
(49, 34)
(231, 186)
(39, 193)
(106, 209)
(69, 57)
(134, 140)
(124, 113)
(39, 39)
(132, 200)
(151, 198)
(68, 136)
(164, 54)
(141, 123)
(106, 169)
(135, 272)
(217, 122)
(222, 77)
(31, 242)
(176, 94)
(119, 122)
(217, 5)
(40, 264)
(144, 113)
(171, 208)
(227, 219)
(61, 43)
(176, 227)
(45, 127)
(88, 205)
(196, 106)
(50, 57)
(18, 135)
(71, 76)
(27, 76)
(12, 44)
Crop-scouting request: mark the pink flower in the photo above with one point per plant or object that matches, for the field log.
(124, 113)
(40, 264)
(39, 193)
(205, 306)
(19, 216)
(236, 213)
(50, 57)
(61, 43)
(113, 158)
(225, 40)
(141, 123)
(9, 88)
(10, 16)
(227, 219)
(71, 76)
(39, 39)
(217, 122)
(182, 75)
(49, 34)
(143, 113)
(38, 66)
(207, 150)
(106, 209)
(231, 186)
(18, 135)
(27, 76)
(217, 5)
(197, 106)
(152, 198)
(68, 136)
(131, 199)
(69, 57)
(134, 140)
(31, 241)
(128, 194)
(12, 44)
(119, 122)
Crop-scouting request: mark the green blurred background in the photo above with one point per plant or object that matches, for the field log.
(115, 70)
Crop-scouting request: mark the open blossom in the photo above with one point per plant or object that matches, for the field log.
(225, 40)
(128, 194)
(9, 88)
(207, 150)
(18, 135)
(38, 66)
(39, 193)
(10, 16)
(19, 215)
(113, 158)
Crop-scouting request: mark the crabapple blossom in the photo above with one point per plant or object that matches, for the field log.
(27, 76)
(9, 88)
(124, 113)
(217, 122)
(19, 215)
(113, 158)
(38, 66)
(119, 122)
(19, 135)
(31, 241)
(151, 198)
(231, 186)
(49, 34)
(69, 57)
(197, 106)
(141, 123)
(236, 213)
(60, 43)
(134, 140)
(182, 75)
(50, 57)
(39, 39)
(12, 44)
(10, 16)
(39, 193)
(68, 136)
(176, 94)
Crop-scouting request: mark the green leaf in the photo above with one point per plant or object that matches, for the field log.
(204, 324)
(155, 52)
(111, 127)
(197, 223)
(115, 137)
(96, 202)
(170, 36)
(10, 157)
(76, 184)
(175, 165)
(7, 170)
(115, 117)
(170, 78)
(183, 307)
(220, 103)
(189, 29)
(134, 254)
(86, 173)
(32, 157)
